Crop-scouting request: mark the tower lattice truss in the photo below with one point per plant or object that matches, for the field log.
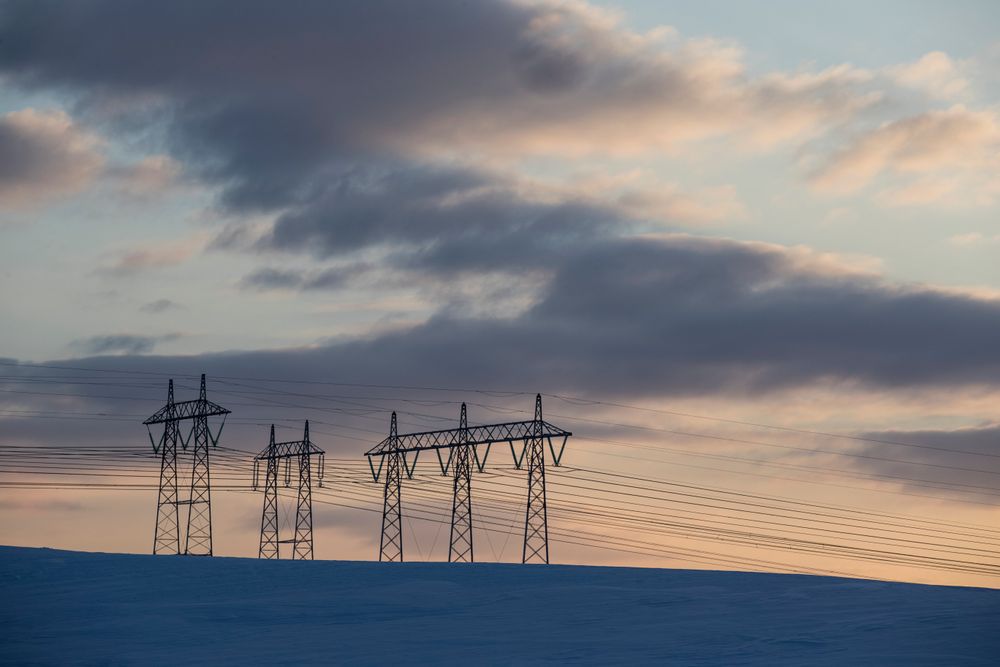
(303, 461)
(196, 538)
(458, 452)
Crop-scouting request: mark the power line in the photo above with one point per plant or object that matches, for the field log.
(757, 537)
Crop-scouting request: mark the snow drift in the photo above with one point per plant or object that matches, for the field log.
(61, 607)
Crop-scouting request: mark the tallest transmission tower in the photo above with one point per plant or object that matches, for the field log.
(461, 446)
(198, 536)
(460, 550)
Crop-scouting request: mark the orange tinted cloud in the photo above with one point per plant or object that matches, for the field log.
(956, 141)
(44, 154)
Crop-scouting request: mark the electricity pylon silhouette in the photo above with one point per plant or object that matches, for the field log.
(536, 524)
(198, 536)
(460, 549)
(301, 453)
(199, 526)
(269, 518)
(391, 545)
(464, 445)
(167, 534)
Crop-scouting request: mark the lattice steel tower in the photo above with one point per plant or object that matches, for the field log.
(536, 524)
(460, 550)
(391, 544)
(463, 445)
(167, 535)
(303, 453)
(198, 536)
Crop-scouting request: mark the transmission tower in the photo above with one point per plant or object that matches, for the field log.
(198, 536)
(536, 525)
(269, 518)
(460, 550)
(167, 535)
(300, 453)
(391, 545)
(462, 447)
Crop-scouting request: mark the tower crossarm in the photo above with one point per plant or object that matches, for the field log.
(472, 435)
(284, 450)
(186, 410)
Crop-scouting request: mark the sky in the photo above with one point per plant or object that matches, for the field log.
(717, 232)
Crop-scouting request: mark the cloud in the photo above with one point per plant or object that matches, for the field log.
(150, 175)
(267, 279)
(271, 279)
(358, 150)
(800, 105)
(973, 239)
(956, 140)
(675, 316)
(154, 256)
(668, 202)
(920, 192)
(44, 154)
(465, 80)
(444, 215)
(935, 73)
(159, 306)
(941, 451)
(121, 343)
(468, 83)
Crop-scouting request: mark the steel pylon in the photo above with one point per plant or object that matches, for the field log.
(457, 449)
(199, 527)
(269, 518)
(302, 547)
(197, 539)
(536, 526)
(460, 550)
(391, 544)
(167, 535)
(299, 453)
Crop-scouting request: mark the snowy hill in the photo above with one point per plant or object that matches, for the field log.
(61, 607)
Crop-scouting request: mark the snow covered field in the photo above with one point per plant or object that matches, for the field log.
(61, 607)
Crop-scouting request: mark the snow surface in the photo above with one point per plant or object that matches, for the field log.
(63, 607)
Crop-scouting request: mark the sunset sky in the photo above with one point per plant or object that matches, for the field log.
(745, 247)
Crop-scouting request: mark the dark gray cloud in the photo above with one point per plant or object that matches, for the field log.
(159, 306)
(975, 450)
(120, 343)
(336, 117)
(270, 279)
(326, 116)
(430, 224)
(445, 218)
(263, 102)
(293, 279)
(43, 154)
(261, 99)
(759, 317)
(680, 316)
(639, 319)
(313, 114)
